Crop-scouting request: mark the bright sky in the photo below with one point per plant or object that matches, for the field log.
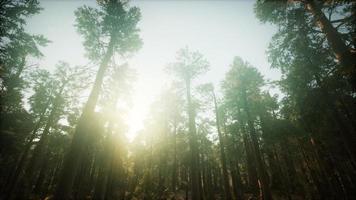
(220, 30)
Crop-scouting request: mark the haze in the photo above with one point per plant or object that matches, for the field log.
(220, 30)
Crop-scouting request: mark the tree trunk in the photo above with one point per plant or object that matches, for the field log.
(41, 148)
(276, 179)
(38, 189)
(251, 166)
(342, 53)
(194, 159)
(101, 182)
(263, 176)
(80, 137)
(14, 178)
(227, 192)
(163, 156)
(234, 163)
(174, 170)
(346, 130)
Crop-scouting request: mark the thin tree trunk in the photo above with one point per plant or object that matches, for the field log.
(162, 166)
(41, 148)
(38, 189)
(263, 176)
(251, 166)
(19, 168)
(234, 163)
(55, 174)
(174, 170)
(194, 159)
(101, 182)
(227, 192)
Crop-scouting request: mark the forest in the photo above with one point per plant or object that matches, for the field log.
(63, 130)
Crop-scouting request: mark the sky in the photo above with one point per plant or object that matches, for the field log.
(220, 30)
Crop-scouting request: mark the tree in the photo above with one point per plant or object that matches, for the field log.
(243, 84)
(209, 90)
(117, 87)
(313, 79)
(337, 28)
(187, 67)
(99, 27)
(16, 45)
(56, 142)
(52, 96)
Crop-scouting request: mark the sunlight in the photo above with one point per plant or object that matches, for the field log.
(139, 110)
(217, 41)
(144, 92)
(121, 99)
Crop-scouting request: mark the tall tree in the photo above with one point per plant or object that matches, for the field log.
(107, 30)
(337, 28)
(209, 89)
(243, 84)
(312, 77)
(188, 66)
(16, 46)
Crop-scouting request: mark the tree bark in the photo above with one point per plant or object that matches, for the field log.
(342, 53)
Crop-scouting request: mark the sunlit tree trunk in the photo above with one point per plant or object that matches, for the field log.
(80, 137)
(107, 157)
(102, 179)
(116, 178)
(342, 53)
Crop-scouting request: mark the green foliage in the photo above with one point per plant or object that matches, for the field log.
(241, 81)
(16, 45)
(113, 21)
(188, 65)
